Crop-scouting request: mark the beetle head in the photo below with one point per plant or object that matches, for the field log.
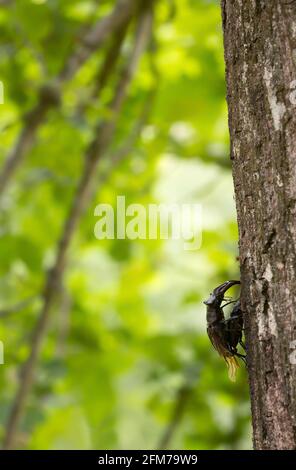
(218, 293)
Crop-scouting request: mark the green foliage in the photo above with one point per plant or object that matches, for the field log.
(127, 331)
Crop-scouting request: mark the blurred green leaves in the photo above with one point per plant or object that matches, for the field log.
(133, 333)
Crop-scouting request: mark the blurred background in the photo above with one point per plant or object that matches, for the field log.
(126, 363)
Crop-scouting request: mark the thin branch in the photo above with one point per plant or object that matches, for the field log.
(96, 36)
(96, 150)
(111, 58)
(180, 404)
(5, 312)
(50, 95)
(48, 98)
(127, 146)
(64, 321)
(105, 68)
(191, 375)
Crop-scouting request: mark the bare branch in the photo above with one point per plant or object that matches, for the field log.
(106, 68)
(96, 36)
(49, 96)
(127, 146)
(110, 60)
(191, 375)
(96, 150)
(5, 312)
(64, 321)
(180, 404)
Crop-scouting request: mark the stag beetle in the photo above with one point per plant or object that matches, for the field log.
(225, 334)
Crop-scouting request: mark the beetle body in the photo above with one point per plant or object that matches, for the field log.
(225, 334)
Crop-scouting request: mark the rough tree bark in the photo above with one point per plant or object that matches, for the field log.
(260, 53)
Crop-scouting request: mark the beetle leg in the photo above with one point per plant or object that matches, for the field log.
(242, 357)
(242, 345)
(228, 303)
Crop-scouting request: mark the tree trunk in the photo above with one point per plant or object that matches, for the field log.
(260, 54)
